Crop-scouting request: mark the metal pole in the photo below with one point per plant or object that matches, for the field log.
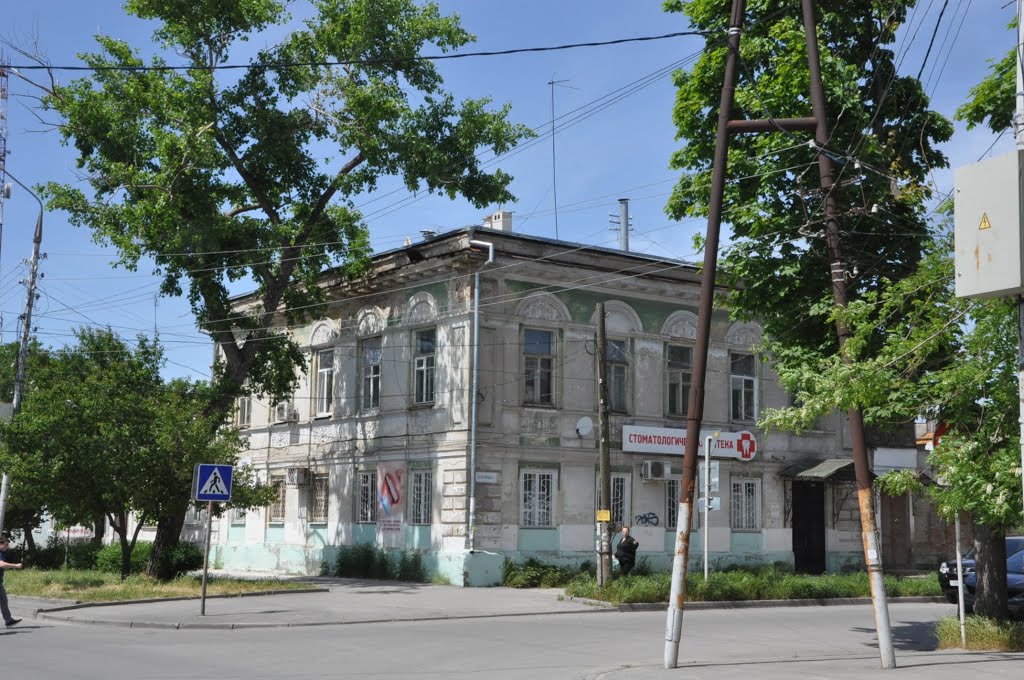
(695, 411)
(960, 587)
(474, 388)
(624, 224)
(869, 531)
(554, 171)
(604, 571)
(206, 557)
(707, 501)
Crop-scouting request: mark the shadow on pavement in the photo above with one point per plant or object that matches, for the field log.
(918, 636)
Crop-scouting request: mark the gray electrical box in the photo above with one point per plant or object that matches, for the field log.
(987, 222)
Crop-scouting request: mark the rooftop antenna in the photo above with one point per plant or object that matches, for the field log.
(554, 173)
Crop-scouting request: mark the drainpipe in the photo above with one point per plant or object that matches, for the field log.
(471, 520)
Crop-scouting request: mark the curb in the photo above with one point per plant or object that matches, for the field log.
(751, 604)
(152, 600)
(182, 625)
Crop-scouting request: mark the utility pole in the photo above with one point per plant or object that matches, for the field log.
(623, 223)
(818, 123)
(604, 564)
(865, 496)
(1019, 134)
(554, 171)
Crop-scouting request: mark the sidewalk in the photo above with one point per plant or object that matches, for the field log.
(347, 601)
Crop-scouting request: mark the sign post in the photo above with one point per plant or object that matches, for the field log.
(210, 483)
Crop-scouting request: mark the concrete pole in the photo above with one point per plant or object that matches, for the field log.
(960, 587)
(624, 225)
(604, 505)
(5, 489)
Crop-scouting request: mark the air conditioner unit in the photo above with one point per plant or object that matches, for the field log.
(298, 476)
(655, 471)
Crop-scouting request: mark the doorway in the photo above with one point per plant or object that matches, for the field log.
(809, 527)
(895, 531)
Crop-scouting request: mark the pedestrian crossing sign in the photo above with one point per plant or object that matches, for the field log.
(211, 482)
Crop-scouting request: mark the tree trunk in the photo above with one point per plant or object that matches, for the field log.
(168, 533)
(990, 563)
(30, 541)
(99, 528)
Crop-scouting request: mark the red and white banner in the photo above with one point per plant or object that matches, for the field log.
(390, 503)
(672, 441)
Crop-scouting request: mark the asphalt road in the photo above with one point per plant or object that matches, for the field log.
(808, 642)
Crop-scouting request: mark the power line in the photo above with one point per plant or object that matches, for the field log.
(351, 62)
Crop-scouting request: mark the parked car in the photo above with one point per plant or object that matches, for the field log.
(949, 579)
(1014, 586)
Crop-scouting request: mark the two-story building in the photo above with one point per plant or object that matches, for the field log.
(379, 444)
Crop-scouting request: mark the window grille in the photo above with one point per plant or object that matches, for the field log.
(537, 495)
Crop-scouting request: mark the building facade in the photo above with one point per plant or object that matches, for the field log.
(378, 445)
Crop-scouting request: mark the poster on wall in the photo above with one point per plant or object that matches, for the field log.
(390, 504)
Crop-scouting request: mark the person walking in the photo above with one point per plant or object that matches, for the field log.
(5, 544)
(625, 553)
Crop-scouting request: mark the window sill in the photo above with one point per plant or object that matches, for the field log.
(318, 522)
(275, 523)
(323, 416)
(424, 406)
(543, 407)
(745, 531)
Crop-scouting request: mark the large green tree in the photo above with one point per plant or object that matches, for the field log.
(883, 137)
(251, 175)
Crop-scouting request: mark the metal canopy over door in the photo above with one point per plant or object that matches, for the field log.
(809, 527)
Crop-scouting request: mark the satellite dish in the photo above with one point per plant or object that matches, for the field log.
(584, 426)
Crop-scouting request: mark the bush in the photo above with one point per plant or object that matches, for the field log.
(364, 560)
(180, 559)
(982, 634)
(535, 574)
(109, 558)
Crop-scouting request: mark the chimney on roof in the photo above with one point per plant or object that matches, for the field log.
(501, 220)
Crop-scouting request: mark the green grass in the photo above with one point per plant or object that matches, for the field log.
(982, 634)
(765, 583)
(96, 586)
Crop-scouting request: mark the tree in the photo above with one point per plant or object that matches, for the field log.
(233, 176)
(880, 121)
(946, 357)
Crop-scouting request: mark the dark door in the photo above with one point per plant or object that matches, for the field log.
(895, 531)
(809, 527)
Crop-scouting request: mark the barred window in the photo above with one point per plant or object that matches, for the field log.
(324, 381)
(237, 515)
(746, 504)
(421, 498)
(371, 373)
(426, 342)
(275, 513)
(537, 488)
(367, 495)
(620, 498)
(672, 503)
(321, 498)
(679, 360)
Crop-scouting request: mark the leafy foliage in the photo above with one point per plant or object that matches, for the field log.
(108, 559)
(365, 560)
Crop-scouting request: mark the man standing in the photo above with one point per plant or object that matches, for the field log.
(626, 552)
(5, 543)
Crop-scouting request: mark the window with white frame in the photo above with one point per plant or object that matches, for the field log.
(539, 362)
(370, 368)
(367, 497)
(320, 497)
(537, 497)
(617, 360)
(421, 497)
(243, 411)
(324, 399)
(679, 363)
(672, 503)
(275, 512)
(745, 501)
(423, 366)
(237, 516)
(743, 386)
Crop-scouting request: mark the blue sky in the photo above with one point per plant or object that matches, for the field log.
(622, 151)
